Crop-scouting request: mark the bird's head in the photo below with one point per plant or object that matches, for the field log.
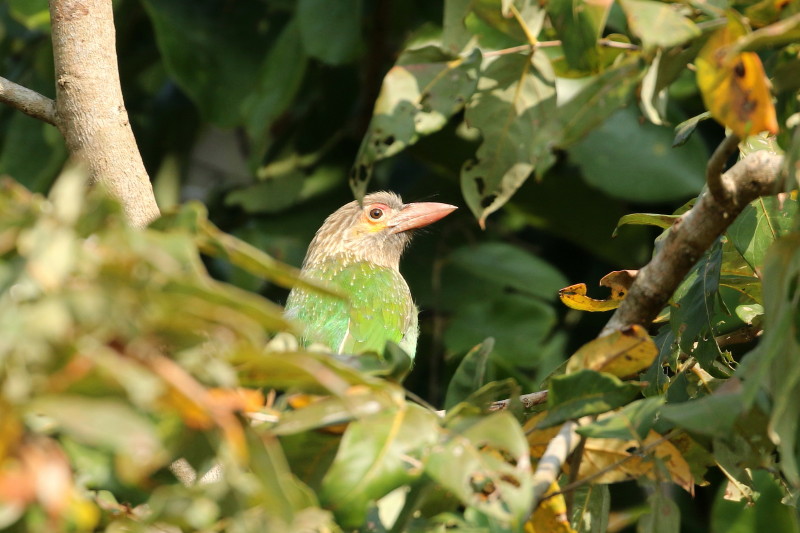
(376, 230)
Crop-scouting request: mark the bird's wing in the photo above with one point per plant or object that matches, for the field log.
(380, 310)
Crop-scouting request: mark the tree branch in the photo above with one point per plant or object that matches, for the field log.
(90, 110)
(690, 236)
(29, 102)
(716, 164)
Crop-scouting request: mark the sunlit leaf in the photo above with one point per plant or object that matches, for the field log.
(377, 455)
(586, 392)
(493, 473)
(516, 98)
(591, 507)
(649, 219)
(614, 460)
(621, 353)
(658, 24)
(575, 297)
(734, 86)
(551, 514)
(418, 96)
(579, 24)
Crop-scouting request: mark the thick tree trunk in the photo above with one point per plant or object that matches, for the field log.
(89, 107)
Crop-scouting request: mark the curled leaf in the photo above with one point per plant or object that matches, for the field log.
(575, 297)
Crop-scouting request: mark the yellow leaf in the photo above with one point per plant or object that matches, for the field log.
(735, 88)
(621, 353)
(538, 439)
(575, 297)
(238, 399)
(615, 460)
(619, 281)
(551, 515)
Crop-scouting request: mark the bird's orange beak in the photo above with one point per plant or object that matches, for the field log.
(417, 215)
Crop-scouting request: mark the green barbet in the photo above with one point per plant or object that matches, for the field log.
(357, 251)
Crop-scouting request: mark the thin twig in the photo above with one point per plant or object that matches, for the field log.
(618, 44)
(556, 453)
(552, 44)
(527, 400)
(29, 102)
(505, 51)
(715, 167)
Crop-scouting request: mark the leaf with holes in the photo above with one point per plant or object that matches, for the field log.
(418, 96)
(485, 462)
(516, 99)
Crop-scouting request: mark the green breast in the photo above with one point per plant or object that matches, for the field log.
(379, 308)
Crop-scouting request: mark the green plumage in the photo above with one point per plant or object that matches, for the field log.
(379, 309)
(357, 251)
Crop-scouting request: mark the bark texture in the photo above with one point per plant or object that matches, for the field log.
(90, 112)
(29, 102)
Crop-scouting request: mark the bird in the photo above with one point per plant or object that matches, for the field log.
(357, 252)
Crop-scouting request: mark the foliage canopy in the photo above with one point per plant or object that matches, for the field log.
(125, 350)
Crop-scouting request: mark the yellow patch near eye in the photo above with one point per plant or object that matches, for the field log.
(374, 227)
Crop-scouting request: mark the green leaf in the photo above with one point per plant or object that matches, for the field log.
(33, 14)
(26, 136)
(772, 365)
(278, 80)
(214, 53)
(634, 421)
(658, 24)
(377, 455)
(598, 99)
(510, 267)
(579, 24)
(664, 516)
(418, 96)
(485, 462)
(331, 32)
(470, 374)
(107, 423)
(268, 196)
(516, 321)
(315, 373)
(694, 316)
(684, 130)
(635, 161)
(646, 219)
(586, 392)
(760, 224)
(518, 99)
(712, 415)
(768, 513)
(282, 493)
(592, 504)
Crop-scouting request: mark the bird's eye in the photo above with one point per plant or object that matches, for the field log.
(375, 213)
